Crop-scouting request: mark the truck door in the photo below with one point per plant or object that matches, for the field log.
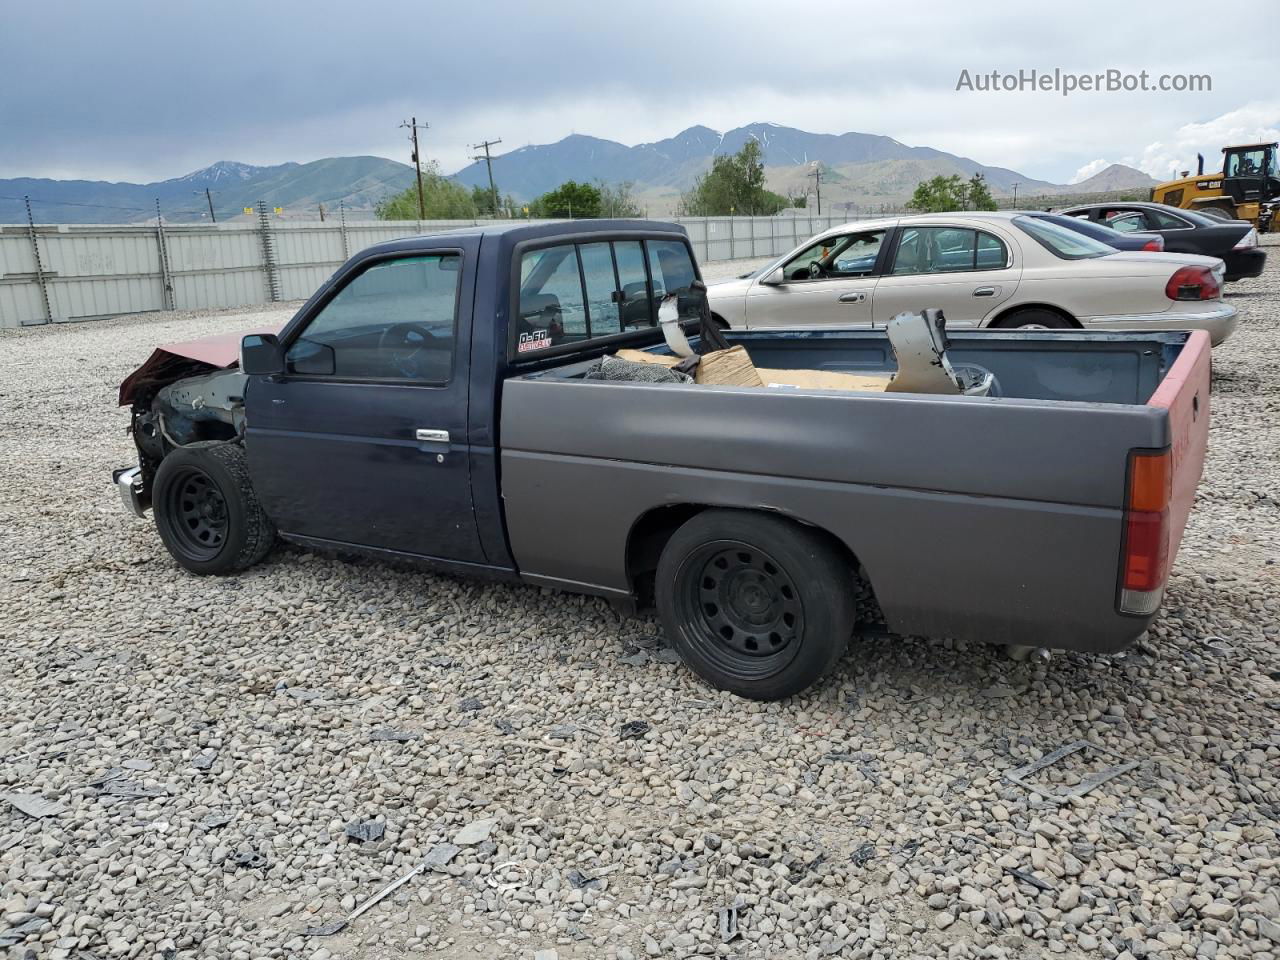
(363, 439)
(964, 271)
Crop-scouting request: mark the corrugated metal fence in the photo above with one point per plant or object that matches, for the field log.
(87, 272)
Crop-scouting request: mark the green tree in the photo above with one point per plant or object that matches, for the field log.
(734, 184)
(939, 195)
(616, 200)
(979, 195)
(486, 201)
(570, 199)
(442, 198)
(946, 194)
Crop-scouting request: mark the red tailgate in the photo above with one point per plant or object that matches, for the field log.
(1184, 392)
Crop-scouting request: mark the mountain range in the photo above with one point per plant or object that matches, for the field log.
(866, 170)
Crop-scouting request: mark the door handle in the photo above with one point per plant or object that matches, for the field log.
(432, 436)
(853, 297)
(986, 291)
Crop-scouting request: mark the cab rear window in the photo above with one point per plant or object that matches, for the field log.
(576, 292)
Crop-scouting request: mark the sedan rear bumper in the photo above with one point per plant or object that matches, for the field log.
(1245, 263)
(1219, 321)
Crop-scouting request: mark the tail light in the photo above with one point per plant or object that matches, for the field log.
(1154, 245)
(1248, 241)
(1193, 283)
(1144, 556)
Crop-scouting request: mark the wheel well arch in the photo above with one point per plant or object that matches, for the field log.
(724, 324)
(653, 528)
(1008, 312)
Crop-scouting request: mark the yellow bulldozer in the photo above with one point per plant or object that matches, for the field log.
(1247, 188)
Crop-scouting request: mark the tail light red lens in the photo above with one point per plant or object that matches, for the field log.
(1193, 283)
(1154, 245)
(1144, 562)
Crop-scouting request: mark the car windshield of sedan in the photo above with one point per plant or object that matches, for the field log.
(1061, 242)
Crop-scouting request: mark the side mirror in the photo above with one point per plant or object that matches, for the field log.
(310, 358)
(260, 355)
(773, 278)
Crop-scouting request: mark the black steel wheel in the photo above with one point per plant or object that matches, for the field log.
(199, 512)
(740, 607)
(755, 604)
(206, 510)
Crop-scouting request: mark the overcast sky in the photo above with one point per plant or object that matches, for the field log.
(149, 90)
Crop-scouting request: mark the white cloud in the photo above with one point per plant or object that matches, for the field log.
(1254, 122)
(1089, 169)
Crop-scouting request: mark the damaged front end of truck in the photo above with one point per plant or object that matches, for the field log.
(184, 393)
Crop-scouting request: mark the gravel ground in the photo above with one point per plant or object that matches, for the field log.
(209, 745)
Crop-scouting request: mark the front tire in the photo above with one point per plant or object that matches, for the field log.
(755, 604)
(207, 513)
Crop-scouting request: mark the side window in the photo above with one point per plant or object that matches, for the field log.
(670, 266)
(1159, 220)
(578, 292)
(797, 267)
(1126, 222)
(633, 281)
(857, 255)
(991, 253)
(602, 289)
(947, 250)
(552, 309)
(394, 321)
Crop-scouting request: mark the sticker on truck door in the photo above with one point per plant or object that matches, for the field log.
(534, 340)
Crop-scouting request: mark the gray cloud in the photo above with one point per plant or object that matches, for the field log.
(143, 90)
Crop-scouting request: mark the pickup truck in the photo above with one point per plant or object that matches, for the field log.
(433, 402)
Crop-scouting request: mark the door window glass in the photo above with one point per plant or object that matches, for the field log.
(1126, 222)
(1159, 220)
(947, 250)
(393, 321)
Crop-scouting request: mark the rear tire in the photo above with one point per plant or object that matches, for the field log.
(1034, 318)
(755, 604)
(207, 513)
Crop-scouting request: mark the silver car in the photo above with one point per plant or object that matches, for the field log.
(998, 270)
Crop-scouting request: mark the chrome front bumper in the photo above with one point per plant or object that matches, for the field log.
(128, 482)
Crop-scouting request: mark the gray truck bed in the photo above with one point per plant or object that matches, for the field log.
(977, 518)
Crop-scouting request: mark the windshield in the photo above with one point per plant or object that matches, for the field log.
(1061, 242)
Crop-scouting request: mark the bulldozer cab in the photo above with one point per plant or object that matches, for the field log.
(1249, 173)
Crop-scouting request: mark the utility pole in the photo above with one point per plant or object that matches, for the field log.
(414, 126)
(1015, 194)
(322, 213)
(209, 196)
(488, 162)
(817, 183)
